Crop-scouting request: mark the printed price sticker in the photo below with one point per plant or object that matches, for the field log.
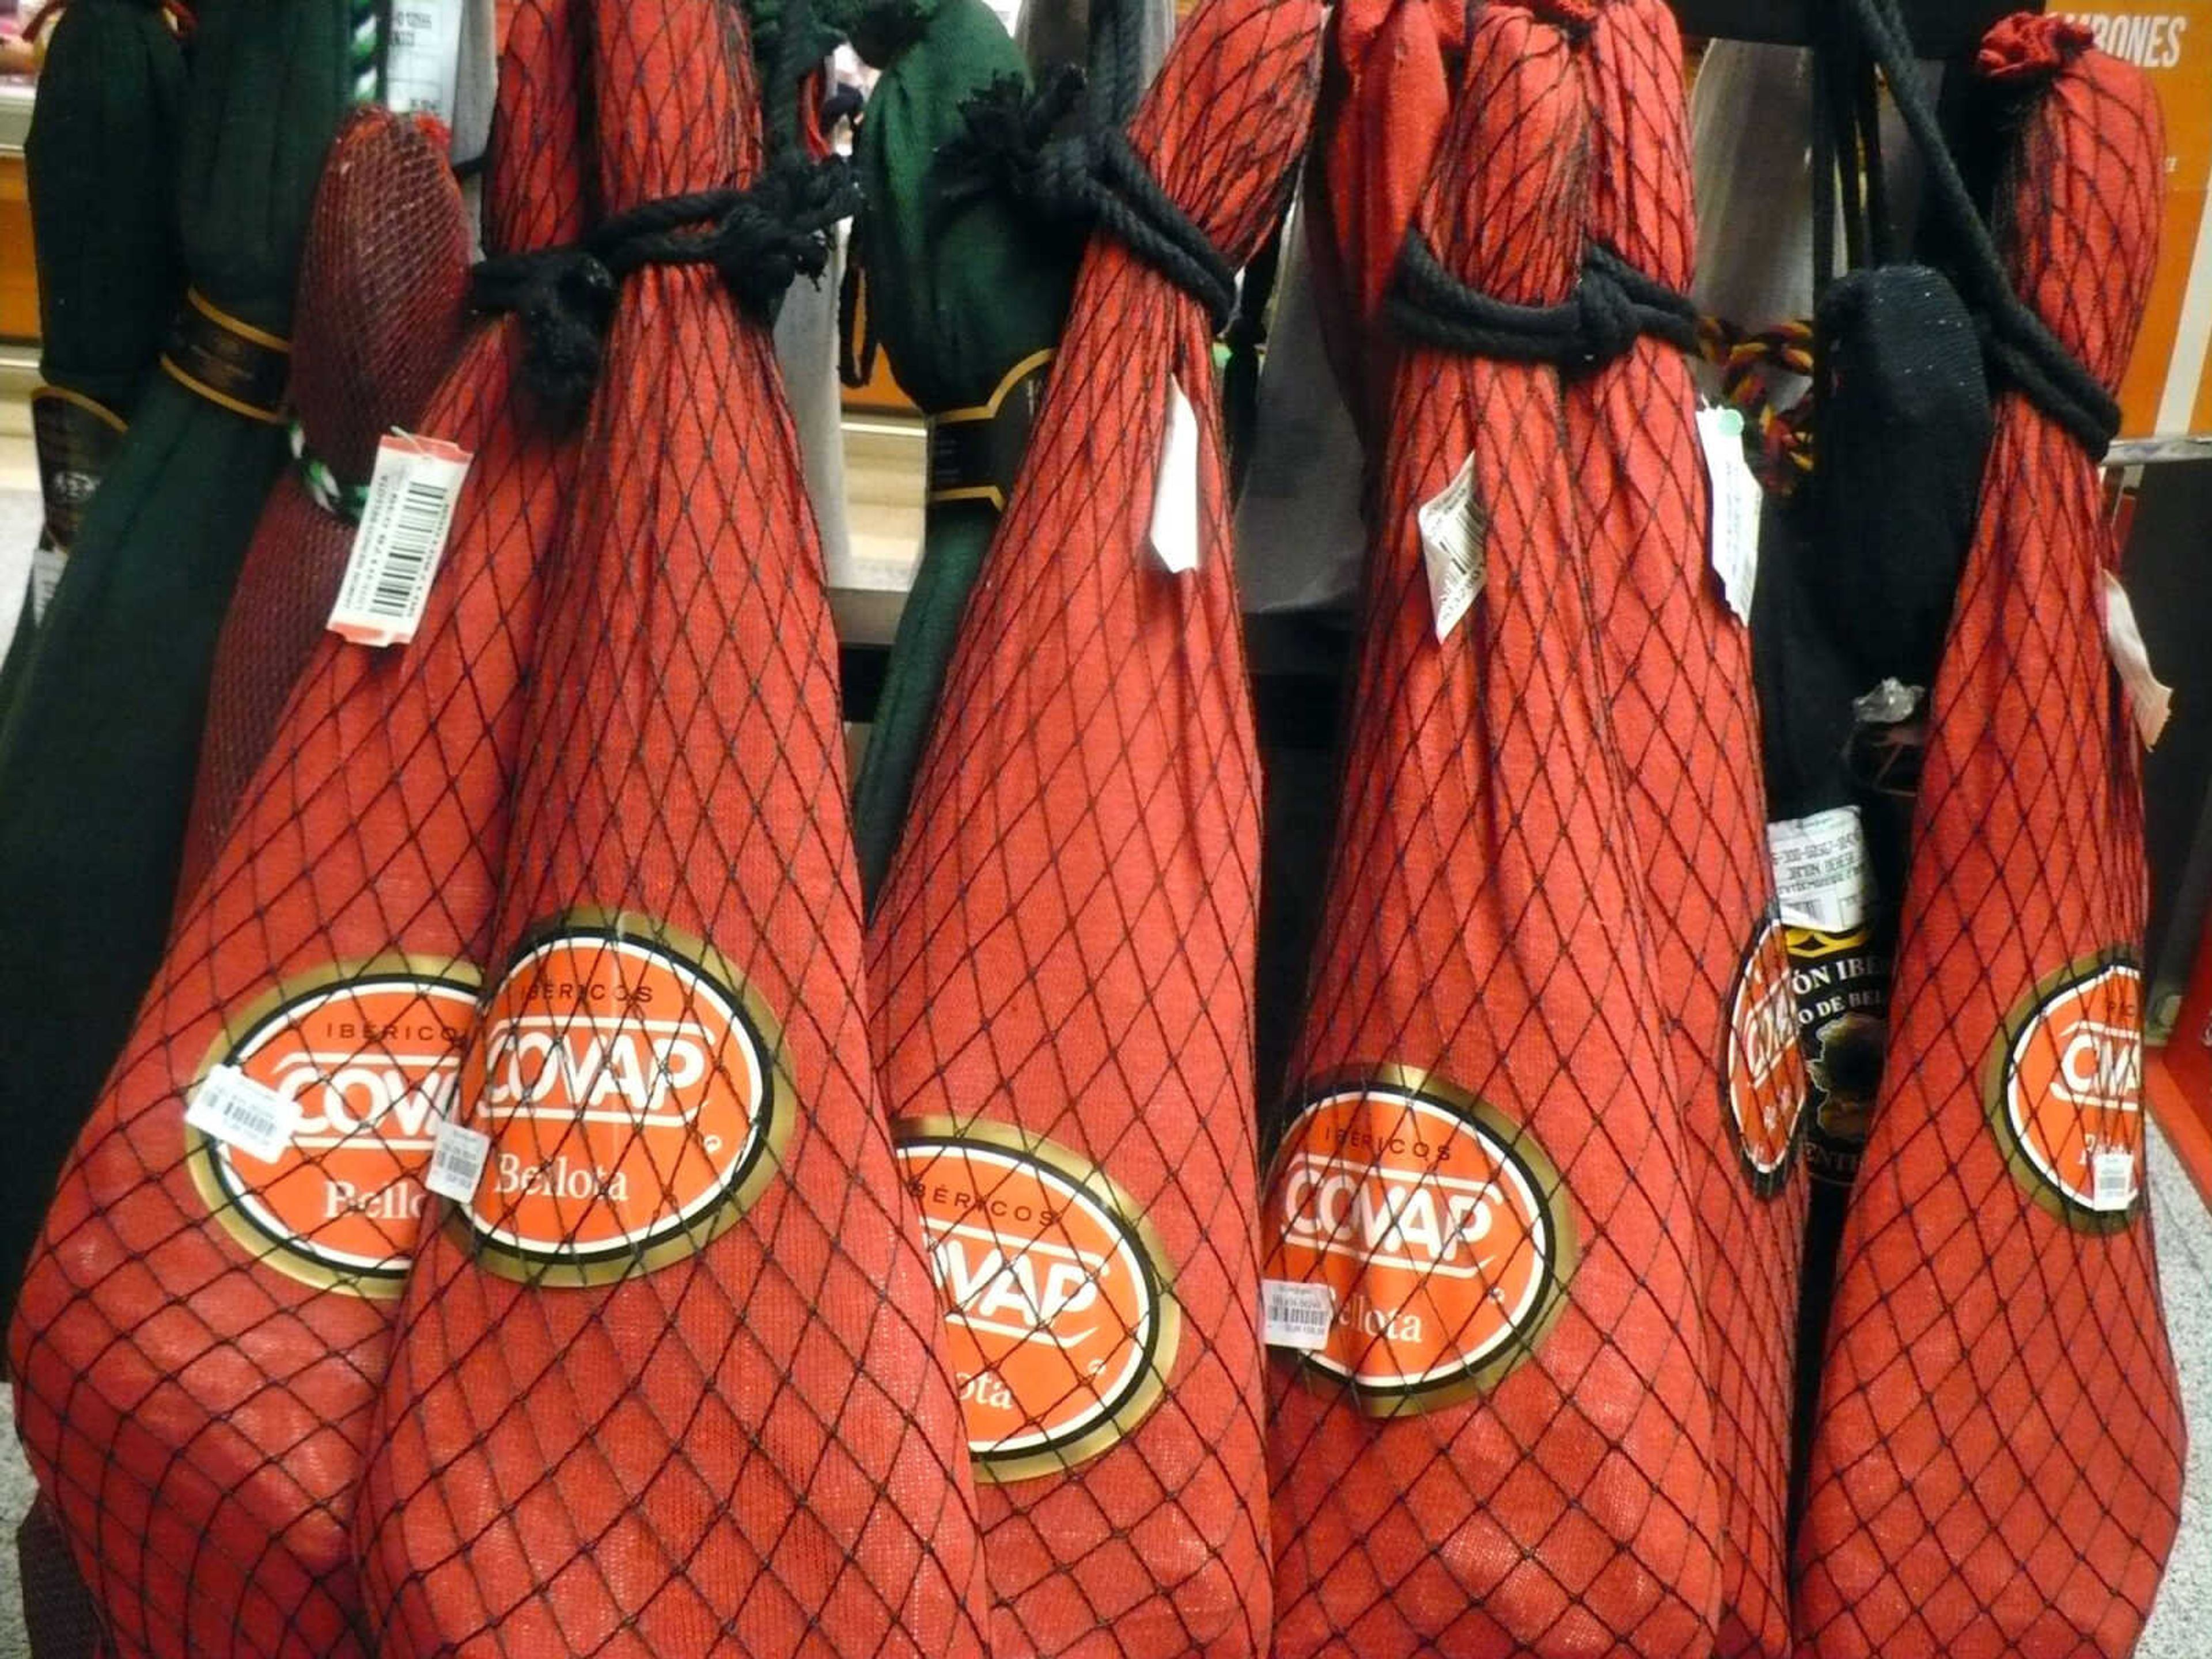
(231, 1107)
(1174, 503)
(1821, 876)
(401, 540)
(1454, 532)
(2113, 1179)
(423, 56)
(1736, 503)
(1295, 1315)
(458, 1157)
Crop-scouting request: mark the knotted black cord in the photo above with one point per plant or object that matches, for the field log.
(1613, 306)
(1093, 177)
(2017, 341)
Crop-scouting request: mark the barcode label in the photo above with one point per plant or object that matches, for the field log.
(402, 538)
(457, 1162)
(1822, 877)
(422, 55)
(2111, 1179)
(1295, 1315)
(231, 1107)
(1455, 548)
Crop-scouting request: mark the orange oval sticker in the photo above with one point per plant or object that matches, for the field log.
(1765, 1078)
(1439, 1226)
(2066, 1092)
(634, 1103)
(372, 1056)
(1060, 1326)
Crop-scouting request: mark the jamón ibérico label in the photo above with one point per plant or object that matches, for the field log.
(630, 1086)
(1765, 1076)
(371, 1056)
(1061, 1324)
(2064, 1091)
(1442, 1230)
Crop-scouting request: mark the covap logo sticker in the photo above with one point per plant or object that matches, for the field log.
(371, 1056)
(1440, 1228)
(1061, 1329)
(1765, 1080)
(2064, 1092)
(628, 1083)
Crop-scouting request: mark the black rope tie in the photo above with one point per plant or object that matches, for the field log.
(758, 241)
(1613, 306)
(1091, 179)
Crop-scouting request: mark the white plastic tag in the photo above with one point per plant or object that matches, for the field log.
(1736, 503)
(1821, 876)
(401, 539)
(1454, 535)
(2150, 698)
(233, 1107)
(457, 1162)
(423, 56)
(1174, 501)
(1295, 1315)
(46, 562)
(2113, 1179)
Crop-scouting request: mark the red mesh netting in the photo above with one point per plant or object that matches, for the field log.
(667, 1384)
(1997, 1463)
(201, 1333)
(1677, 672)
(1503, 1445)
(379, 318)
(1064, 947)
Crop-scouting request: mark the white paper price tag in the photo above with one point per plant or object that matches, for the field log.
(2150, 698)
(1454, 533)
(1175, 501)
(423, 56)
(402, 538)
(1736, 505)
(1295, 1315)
(2112, 1180)
(233, 1107)
(458, 1157)
(1822, 878)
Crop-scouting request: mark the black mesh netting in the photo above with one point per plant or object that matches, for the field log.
(202, 1332)
(668, 1384)
(1063, 950)
(378, 318)
(1520, 1088)
(1996, 1464)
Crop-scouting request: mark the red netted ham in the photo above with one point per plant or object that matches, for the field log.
(1063, 949)
(667, 1381)
(1676, 666)
(380, 316)
(1996, 1466)
(200, 1338)
(1492, 1429)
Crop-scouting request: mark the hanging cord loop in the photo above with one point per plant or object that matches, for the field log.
(1613, 306)
(2019, 343)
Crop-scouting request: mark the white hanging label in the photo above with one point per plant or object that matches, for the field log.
(2148, 698)
(1175, 501)
(2112, 1180)
(46, 562)
(402, 538)
(1455, 531)
(1821, 875)
(458, 1157)
(233, 1107)
(1295, 1315)
(421, 59)
(1736, 504)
